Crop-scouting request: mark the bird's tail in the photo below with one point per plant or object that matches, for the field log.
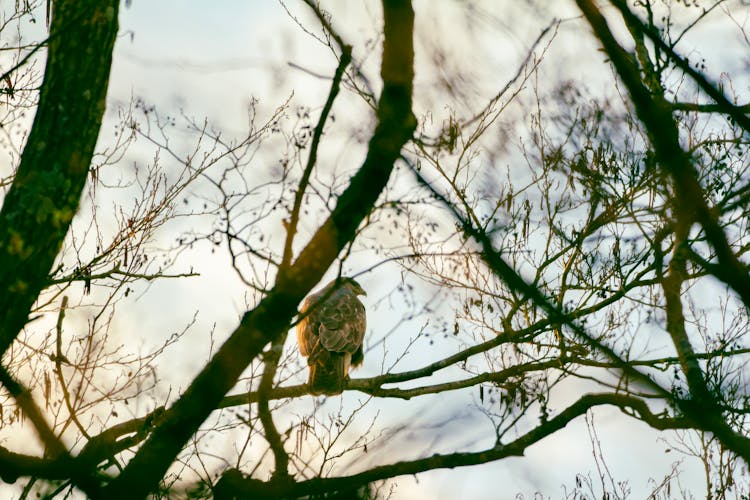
(327, 374)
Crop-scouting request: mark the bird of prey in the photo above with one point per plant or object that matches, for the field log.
(330, 334)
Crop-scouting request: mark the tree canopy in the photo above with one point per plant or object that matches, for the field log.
(546, 235)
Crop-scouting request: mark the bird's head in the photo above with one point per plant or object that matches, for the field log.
(353, 286)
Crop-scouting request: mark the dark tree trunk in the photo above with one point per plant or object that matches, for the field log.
(46, 191)
(396, 124)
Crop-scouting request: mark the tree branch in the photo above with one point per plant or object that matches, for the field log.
(291, 224)
(234, 485)
(270, 364)
(374, 385)
(97, 449)
(273, 314)
(738, 113)
(689, 203)
(45, 193)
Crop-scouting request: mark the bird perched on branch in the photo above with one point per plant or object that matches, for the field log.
(330, 334)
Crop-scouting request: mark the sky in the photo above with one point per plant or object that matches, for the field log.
(208, 60)
(212, 59)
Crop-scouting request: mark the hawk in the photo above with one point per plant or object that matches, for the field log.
(330, 334)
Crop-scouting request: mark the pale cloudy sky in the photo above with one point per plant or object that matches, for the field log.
(207, 59)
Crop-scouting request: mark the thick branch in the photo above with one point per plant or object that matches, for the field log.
(374, 385)
(237, 486)
(690, 204)
(118, 438)
(656, 115)
(291, 224)
(99, 448)
(672, 285)
(274, 313)
(555, 315)
(705, 108)
(271, 363)
(53, 446)
(723, 104)
(45, 193)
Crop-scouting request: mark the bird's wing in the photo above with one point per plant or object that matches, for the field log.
(342, 322)
(307, 336)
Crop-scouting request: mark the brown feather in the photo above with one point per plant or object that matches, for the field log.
(331, 333)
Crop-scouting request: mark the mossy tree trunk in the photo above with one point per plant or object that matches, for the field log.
(46, 191)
